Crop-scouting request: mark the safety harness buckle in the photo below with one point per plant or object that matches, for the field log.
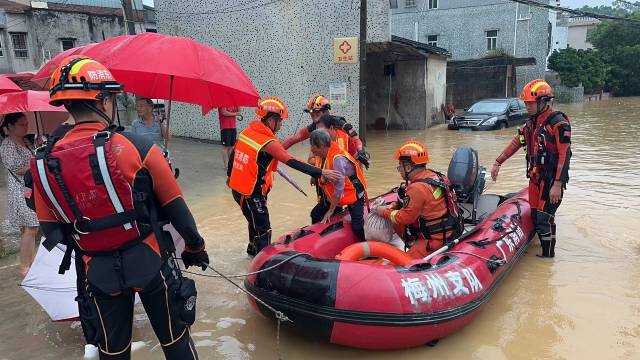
(102, 134)
(75, 225)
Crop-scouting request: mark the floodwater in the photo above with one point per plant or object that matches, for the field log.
(584, 304)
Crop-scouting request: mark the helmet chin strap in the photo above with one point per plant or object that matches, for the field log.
(101, 113)
(114, 110)
(540, 111)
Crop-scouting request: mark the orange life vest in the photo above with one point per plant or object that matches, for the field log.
(342, 139)
(351, 190)
(247, 171)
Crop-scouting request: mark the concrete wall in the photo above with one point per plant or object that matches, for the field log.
(577, 37)
(378, 21)
(559, 41)
(466, 85)
(405, 108)
(436, 88)
(19, 23)
(416, 91)
(84, 28)
(569, 94)
(45, 28)
(463, 32)
(286, 48)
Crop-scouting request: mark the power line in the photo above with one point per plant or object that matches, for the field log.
(578, 12)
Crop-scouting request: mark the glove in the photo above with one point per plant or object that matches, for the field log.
(200, 258)
(363, 157)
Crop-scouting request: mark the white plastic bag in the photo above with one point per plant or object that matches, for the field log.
(377, 228)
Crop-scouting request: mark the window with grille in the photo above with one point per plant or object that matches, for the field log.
(410, 3)
(492, 39)
(19, 43)
(433, 4)
(432, 40)
(68, 44)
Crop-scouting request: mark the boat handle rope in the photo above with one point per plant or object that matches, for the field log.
(246, 274)
(496, 261)
(279, 315)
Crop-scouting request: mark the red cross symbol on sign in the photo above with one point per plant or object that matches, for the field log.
(345, 47)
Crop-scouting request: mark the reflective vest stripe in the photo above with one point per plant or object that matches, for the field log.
(245, 169)
(251, 143)
(42, 174)
(113, 196)
(437, 193)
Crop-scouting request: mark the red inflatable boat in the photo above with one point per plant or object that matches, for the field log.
(390, 306)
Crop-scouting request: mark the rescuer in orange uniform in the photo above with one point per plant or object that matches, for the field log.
(318, 107)
(252, 163)
(426, 215)
(106, 194)
(546, 138)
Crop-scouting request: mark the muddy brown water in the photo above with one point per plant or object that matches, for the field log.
(584, 304)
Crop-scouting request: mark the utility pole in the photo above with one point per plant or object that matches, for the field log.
(129, 19)
(363, 72)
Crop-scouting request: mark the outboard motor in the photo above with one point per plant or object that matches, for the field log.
(467, 178)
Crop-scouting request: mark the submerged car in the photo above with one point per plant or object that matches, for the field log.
(491, 114)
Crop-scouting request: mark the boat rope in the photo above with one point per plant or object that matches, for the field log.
(251, 273)
(72, 289)
(279, 315)
(497, 261)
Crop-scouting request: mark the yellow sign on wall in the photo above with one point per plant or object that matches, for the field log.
(345, 50)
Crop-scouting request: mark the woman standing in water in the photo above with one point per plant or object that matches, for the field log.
(16, 152)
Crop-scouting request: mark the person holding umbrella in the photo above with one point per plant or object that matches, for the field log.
(16, 152)
(106, 195)
(252, 164)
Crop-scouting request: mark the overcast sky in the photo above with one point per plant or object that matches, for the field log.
(579, 3)
(563, 3)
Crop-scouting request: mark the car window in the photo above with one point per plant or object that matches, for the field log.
(522, 106)
(514, 105)
(488, 107)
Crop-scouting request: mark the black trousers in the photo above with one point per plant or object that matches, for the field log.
(113, 317)
(82, 299)
(356, 210)
(543, 214)
(254, 209)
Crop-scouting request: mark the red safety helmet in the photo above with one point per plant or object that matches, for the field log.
(413, 151)
(81, 78)
(536, 90)
(317, 103)
(274, 105)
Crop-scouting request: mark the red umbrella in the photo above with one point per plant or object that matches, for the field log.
(7, 86)
(36, 105)
(42, 76)
(159, 66)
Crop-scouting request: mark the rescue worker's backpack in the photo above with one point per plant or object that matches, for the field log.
(452, 220)
(83, 187)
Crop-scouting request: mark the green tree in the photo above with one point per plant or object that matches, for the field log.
(605, 10)
(577, 67)
(619, 44)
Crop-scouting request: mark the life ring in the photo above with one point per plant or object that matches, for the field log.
(359, 250)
